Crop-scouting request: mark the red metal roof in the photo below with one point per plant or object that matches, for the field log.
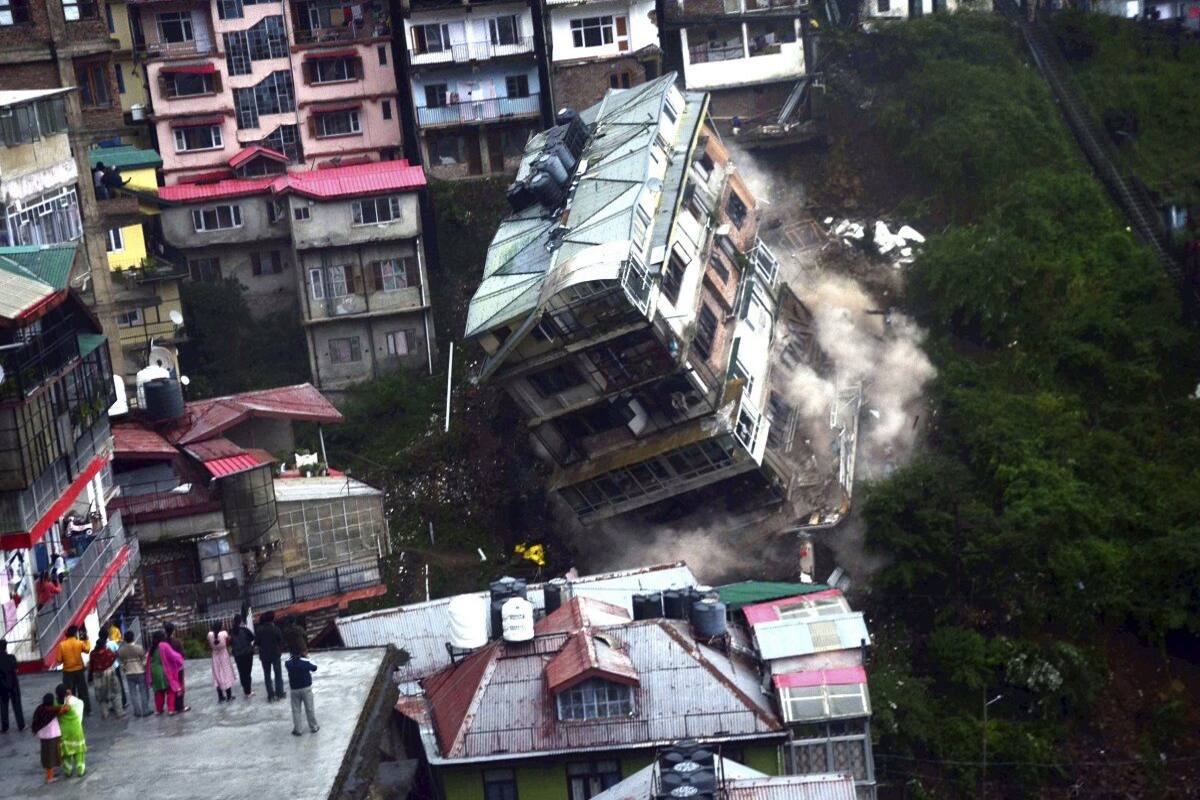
(191, 69)
(348, 52)
(232, 465)
(244, 155)
(452, 691)
(205, 419)
(578, 613)
(232, 187)
(844, 676)
(327, 183)
(132, 441)
(378, 177)
(584, 656)
(212, 449)
(769, 611)
(197, 122)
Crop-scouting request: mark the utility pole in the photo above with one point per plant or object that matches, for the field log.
(983, 761)
(449, 372)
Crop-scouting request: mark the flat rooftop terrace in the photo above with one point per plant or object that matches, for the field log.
(244, 749)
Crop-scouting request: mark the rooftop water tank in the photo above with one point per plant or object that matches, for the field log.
(519, 196)
(708, 618)
(675, 603)
(164, 399)
(648, 606)
(553, 594)
(468, 621)
(564, 155)
(549, 192)
(517, 619)
(144, 376)
(550, 163)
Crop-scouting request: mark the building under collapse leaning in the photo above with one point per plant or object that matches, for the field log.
(630, 309)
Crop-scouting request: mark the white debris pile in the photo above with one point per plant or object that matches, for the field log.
(898, 247)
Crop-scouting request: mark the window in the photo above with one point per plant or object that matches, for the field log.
(229, 9)
(718, 268)
(589, 778)
(205, 270)
(330, 283)
(284, 139)
(198, 137)
(436, 95)
(218, 561)
(375, 210)
(333, 70)
(182, 84)
(52, 218)
(801, 703)
(108, 18)
(264, 40)
(619, 80)
(175, 27)
(504, 30)
(393, 275)
(161, 578)
(592, 31)
(517, 85)
(736, 210)
(381, 51)
(268, 263)
(301, 213)
(768, 38)
(499, 784)
(115, 242)
(386, 108)
(706, 331)
(595, 699)
(884, 6)
(275, 211)
(129, 319)
(74, 10)
(216, 218)
(344, 351)
(447, 148)
(14, 12)
(672, 278)
(337, 123)
(120, 76)
(93, 84)
(669, 112)
(274, 94)
(556, 379)
(811, 609)
(433, 38)
(398, 342)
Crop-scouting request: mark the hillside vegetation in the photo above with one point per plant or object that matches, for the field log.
(1046, 546)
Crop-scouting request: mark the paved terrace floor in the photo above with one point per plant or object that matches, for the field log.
(243, 750)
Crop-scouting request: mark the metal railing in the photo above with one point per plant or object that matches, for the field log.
(166, 504)
(193, 47)
(84, 575)
(478, 110)
(366, 29)
(465, 52)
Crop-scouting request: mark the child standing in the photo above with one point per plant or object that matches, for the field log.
(299, 671)
(46, 729)
(74, 746)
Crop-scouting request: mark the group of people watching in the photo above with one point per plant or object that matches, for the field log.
(106, 180)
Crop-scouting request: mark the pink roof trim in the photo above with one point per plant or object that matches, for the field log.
(845, 676)
(769, 611)
(232, 465)
(221, 190)
(375, 177)
(244, 155)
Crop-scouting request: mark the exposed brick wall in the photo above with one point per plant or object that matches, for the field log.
(29, 33)
(34, 75)
(750, 103)
(583, 84)
(89, 31)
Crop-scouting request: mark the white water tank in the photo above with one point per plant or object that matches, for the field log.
(468, 621)
(144, 376)
(516, 617)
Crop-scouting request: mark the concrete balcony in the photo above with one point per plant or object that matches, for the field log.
(466, 52)
(453, 114)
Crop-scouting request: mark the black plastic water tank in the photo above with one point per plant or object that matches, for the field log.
(552, 594)
(675, 603)
(164, 399)
(708, 618)
(519, 196)
(549, 192)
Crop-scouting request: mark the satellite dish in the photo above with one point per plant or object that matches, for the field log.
(185, 380)
(176, 317)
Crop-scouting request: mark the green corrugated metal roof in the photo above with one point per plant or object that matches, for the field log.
(50, 265)
(747, 593)
(89, 342)
(124, 156)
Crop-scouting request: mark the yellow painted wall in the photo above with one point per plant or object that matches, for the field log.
(133, 252)
(156, 320)
(140, 178)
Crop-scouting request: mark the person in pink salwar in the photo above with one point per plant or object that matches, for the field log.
(164, 671)
(222, 664)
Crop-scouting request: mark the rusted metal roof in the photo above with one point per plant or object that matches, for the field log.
(578, 613)
(204, 419)
(133, 441)
(586, 655)
(212, 449)
(495, 704)
(422, 629)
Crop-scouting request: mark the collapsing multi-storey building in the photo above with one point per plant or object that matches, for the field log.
(631, 311)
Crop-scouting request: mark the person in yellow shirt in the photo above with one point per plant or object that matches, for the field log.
(70, 655)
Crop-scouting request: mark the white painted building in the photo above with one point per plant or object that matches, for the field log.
(742, 52)
(597, 45)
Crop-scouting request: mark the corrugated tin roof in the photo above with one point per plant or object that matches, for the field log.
(135, 441)
(233, 465)
(124, 156)
(422, 629)
(499, 701)
(376, 177)
(640, 785)
(204, 419)
(581, 612)
(328, 487)
(11, 97)
(49, 264)
(771, 610)
(212, 449)
(247, 153)
(792, 787)
(586, 656)
(797, 637)
(221, 190)
(736, 595)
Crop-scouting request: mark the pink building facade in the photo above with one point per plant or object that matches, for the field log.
(312, 82)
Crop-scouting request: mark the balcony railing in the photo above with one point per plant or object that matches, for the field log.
(478, 111)
(466, 52)
(188, 48)
(366, 29)
(81, 581)
(165, 504)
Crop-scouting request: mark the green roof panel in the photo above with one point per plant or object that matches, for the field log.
(125, 156)
(51, 265)
(747, 593)
(89, 342)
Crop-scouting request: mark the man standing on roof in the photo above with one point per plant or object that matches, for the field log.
(270, 653)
